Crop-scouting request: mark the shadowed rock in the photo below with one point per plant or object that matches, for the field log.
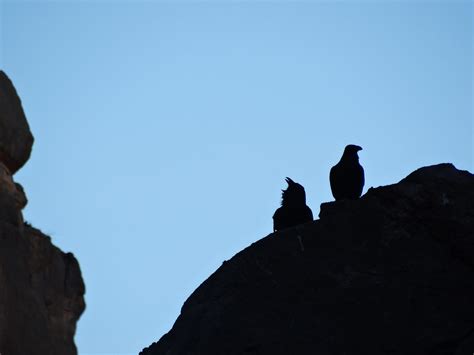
(41, 288)
(389, 273)
(16, 139)
(41, 294)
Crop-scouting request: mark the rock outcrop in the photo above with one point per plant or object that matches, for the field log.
(390, 273)
(16, 139)
(41, 288)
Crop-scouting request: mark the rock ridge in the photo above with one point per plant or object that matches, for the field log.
(389, 273)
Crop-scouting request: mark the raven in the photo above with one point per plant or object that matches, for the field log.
(293, 210)
(347, 176)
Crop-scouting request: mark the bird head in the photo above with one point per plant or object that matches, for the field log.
(351, 151)
(294, 194)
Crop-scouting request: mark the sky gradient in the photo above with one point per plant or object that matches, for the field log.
(164, 131)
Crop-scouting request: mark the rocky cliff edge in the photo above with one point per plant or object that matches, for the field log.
(390, 273)
(41, 288)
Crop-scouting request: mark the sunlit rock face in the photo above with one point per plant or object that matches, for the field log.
(41, 288)
(389, 273)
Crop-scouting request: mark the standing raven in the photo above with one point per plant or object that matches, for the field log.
(293, 210)
(347, 176)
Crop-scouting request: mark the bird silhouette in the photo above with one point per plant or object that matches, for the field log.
(293, 210)
(347, 176)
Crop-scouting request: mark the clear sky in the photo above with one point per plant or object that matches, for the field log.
(164, 130)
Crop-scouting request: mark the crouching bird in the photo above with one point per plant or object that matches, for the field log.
(347, 176)
(293, 210)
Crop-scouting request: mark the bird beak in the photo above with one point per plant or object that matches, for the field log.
(359, 148)
(289, 181)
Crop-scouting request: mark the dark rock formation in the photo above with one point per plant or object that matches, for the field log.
(41, 294)
(16, 139)
(41, 288)
(390, 273)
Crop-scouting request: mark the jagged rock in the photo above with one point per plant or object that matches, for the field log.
(390, 273)
(12, 198)
(41, 288)
(41, 294)
(16, 139)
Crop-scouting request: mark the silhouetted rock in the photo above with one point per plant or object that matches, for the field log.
(16, 139)
(389, 273)
(347, 176)
(41, 288)
(293, 210)
(41, 294)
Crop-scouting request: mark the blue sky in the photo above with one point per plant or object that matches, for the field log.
(164, 131)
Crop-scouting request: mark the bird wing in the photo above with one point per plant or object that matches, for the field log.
(334, 181)
(361, 179)
(309, 214)
(277, 220)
